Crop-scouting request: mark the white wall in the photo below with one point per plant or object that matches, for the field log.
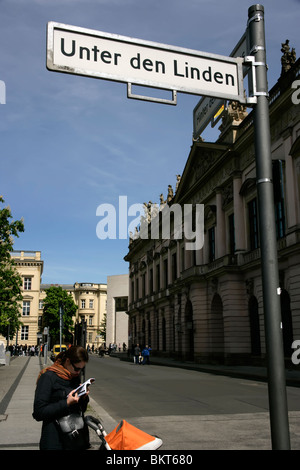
(116, 322)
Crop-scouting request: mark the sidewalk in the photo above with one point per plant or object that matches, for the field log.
(19, 431)
(246, 372)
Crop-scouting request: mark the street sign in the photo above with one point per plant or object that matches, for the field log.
(96, 54)
(207, 107)
(204, 113)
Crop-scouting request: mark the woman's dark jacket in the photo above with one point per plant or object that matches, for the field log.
(50, 403)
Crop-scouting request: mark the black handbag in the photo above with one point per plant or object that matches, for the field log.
(74, 432)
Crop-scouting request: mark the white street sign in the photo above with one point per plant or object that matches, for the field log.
(102, 55)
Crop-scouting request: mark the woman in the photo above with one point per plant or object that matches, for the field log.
(54, 397)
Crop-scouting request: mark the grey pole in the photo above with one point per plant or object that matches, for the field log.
(61, 312)
(270, 278)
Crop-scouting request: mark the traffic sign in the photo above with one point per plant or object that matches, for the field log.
(207, 107)
(97, 54)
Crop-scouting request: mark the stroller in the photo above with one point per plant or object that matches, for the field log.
(123, 437)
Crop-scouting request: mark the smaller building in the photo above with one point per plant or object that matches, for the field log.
(117, 306)
(30, 267)
(90, 298)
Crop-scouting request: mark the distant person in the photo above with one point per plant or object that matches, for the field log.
(146, 354)
(137, 352)
(101, 351)
(54, 399)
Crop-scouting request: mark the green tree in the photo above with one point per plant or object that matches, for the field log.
(10, 280)
(56, 296)
(102, 329)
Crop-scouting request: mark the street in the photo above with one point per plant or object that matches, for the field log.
(188, 409)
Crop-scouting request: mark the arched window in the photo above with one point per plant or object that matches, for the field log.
(254, 326)
(216, 325)
(164, 334)
(287, 323)
(189, 327)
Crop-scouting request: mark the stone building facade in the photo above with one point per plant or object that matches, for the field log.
(206, 305)
(90, 299)
(30, 267)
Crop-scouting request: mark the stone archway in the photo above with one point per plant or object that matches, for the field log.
(189, 330)
(164, 334)
(216, 328)
(254, 326)
(287, 323)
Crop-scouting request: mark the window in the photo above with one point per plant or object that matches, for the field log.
(27, 283)
(90, 320)
(91, 303)
(83, 303)
(231, 234)
(253, 224)
(121, 304)
(165, 273)
(26, 308)
(41, 304)
(137, 291)
(212, 245)
(151, 281)
(143, 285)
(24, 333)
(157, 278)
(174, 266)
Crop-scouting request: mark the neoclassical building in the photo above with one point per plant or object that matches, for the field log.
(206, 305)
(30, 267)
(91, 299)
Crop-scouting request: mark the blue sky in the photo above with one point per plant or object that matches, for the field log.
(71, 143)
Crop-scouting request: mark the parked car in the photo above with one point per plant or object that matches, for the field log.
(57, 348)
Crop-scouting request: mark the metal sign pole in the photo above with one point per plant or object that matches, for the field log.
(61, 312)
(270, 279)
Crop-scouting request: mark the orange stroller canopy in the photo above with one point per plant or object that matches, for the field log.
(128, 437)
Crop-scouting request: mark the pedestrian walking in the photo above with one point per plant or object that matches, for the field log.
(137, 351)
(146, 354)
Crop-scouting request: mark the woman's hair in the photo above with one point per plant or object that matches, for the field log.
(75, 354)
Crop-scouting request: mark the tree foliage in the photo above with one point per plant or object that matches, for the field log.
(102, 328)
(10, 280)
(56, 296)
